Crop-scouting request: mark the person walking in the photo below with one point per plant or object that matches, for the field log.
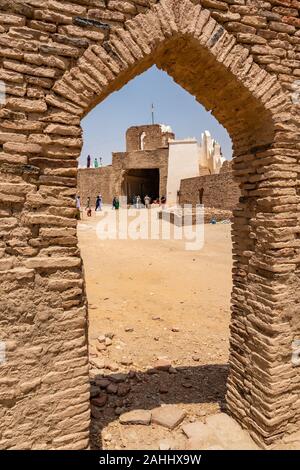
(97, 203)
(96, 164)
(163, 202)
(147, 201)
(88, 207)
(78, 207)
(88, 162)
(116, 203)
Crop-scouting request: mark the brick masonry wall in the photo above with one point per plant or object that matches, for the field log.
(58, 60)
(219, 191)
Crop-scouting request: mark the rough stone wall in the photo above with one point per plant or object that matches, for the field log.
(219, 191)
(154, 138)
(240, 59)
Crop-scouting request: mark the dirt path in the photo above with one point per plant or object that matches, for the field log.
(158, 305)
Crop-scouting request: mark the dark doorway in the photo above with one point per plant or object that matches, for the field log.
(141, 182)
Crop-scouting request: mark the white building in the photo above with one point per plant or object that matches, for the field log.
(210, 154)
(188, 159)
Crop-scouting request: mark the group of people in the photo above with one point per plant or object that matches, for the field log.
(136, 201)
(148, 202)
(88, 208)
(98, 205)
(96, 163)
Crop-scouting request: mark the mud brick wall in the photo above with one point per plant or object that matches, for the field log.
(94, 181)
(219, 191)
(142, 159)
(154, 138)
(58, 60)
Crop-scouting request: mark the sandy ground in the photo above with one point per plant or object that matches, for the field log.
(158, 332)
(160, 304)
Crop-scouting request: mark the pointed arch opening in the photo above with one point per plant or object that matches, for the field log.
(206, 61)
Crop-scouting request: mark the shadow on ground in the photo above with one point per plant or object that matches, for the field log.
(148, 390)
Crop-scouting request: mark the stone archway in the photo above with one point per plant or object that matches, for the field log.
(43, 288)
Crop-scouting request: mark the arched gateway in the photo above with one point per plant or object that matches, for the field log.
(58, 62)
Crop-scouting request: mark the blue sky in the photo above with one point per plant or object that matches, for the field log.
(105, 126)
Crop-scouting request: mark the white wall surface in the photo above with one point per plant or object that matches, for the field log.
(183, 163)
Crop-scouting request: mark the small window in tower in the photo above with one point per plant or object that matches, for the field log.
(201, 194)
(142, 141)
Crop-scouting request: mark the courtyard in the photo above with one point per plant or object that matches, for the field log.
(159, 320)
(157, 305)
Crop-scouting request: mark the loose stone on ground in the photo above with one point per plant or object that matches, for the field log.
(136, 417)
(168, 416)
